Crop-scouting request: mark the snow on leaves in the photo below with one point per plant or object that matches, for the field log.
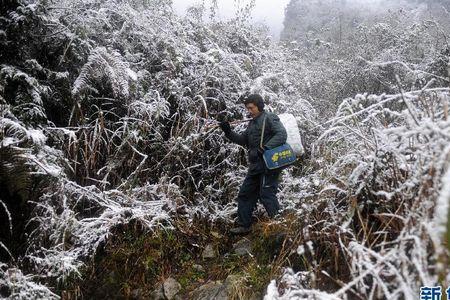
(104, 68)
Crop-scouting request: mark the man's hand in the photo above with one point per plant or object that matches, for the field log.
(225, 126)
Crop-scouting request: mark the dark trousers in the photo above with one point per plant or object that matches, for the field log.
(260, 186)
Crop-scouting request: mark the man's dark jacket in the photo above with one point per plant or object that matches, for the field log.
(274, 136)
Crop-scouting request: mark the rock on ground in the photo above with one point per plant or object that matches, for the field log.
(209, 252)
(221, 290)
(243, 247)
(171, 288)
(157, 294)
(212, 290)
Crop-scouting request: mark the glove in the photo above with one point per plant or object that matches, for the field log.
(225, 126)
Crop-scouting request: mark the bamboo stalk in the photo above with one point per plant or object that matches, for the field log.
(213, 126)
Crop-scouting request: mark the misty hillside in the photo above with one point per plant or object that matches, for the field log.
(115, 184)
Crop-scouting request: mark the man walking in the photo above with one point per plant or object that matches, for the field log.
(260, 183)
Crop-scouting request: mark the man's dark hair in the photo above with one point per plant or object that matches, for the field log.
(255, 99)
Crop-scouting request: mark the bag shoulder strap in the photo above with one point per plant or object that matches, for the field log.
(262, 132)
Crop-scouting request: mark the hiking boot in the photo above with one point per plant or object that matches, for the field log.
(240, 230)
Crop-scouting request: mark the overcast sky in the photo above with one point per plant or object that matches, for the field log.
(270, 12)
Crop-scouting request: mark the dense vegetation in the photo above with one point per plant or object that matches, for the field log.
(110, 176)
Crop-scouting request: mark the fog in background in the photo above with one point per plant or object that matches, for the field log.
(269, 12)
(272, 12)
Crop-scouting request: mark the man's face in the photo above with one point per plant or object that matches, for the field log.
(252, 110)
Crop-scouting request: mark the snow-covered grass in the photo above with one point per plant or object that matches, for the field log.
(22, 286)
(386, 199)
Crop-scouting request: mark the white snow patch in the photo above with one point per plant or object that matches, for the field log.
(132, 74)
(7, 141)
(37, 136)
(442, 208)
(272, 291)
